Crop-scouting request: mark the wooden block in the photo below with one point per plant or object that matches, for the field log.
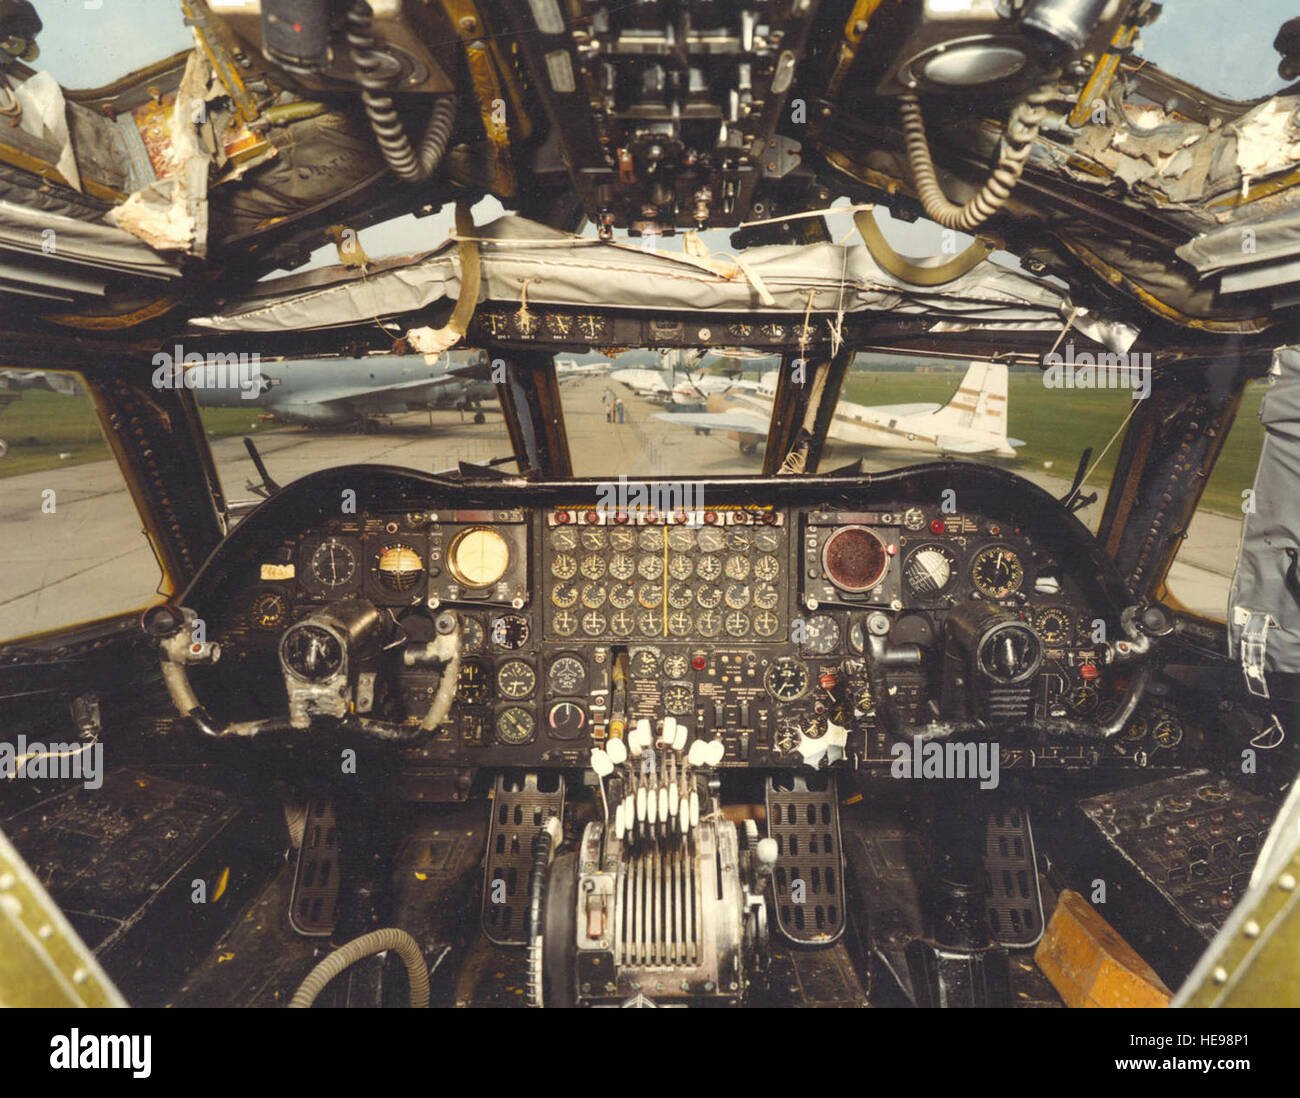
(1090, 965)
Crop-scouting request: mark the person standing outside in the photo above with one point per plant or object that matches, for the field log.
(618, 407)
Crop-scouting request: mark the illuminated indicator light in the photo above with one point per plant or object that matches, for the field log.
(699, 662)
(937, 526)
(652, 517)
(711, 518)
(620, 517)
(681, 518)
(563, 517)
(593, 517)
(892, 550)
(1089, 672)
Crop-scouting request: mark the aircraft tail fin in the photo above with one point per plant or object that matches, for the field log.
(979, 405)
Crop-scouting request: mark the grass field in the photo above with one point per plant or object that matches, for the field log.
(1056, 425)
(42, 427)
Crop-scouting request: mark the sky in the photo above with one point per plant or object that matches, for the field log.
(87, 43)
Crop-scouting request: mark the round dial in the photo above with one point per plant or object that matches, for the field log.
(767, 568)
(312, 653)
(621, 540)
(913, 518)
(736, 623)
(679, 623)
(821, 634)
(786, 737)
(594, 595)
(649, 623)
(766, 596)
(515, 726)
(400, 567)
(565, 594)
(737, 595)
(645, 664)
(854, 559)
(594, 623)
(565, 623)
(472, 635)
(566, 720)
(472, 683)
(681, 539)
(564, 538)
(1053, 625)
(766, 541)
(622, 566)
(766, 623)
(650, 595)
(1082, 699)
(650, 567)
(564, 566)
(593, 539)
(997, 572)
(1166, 733)
(929, 570)
(622, 622)
(621, 595)
(516, 679)
(333, 564)
(709, 597)
(708, 568)
(711, 540)
(679, 698)
(680, 596)
(269, 610)
(651, 541)
(736, 567)
(567, 675)
(592, 566)
(510, 631)
(708, 623)
(786, 679)
(739, 538)
(681, 567)
(478, 556)
(676, 665)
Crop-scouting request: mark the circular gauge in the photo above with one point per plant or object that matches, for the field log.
(766, 623)
(997, 572)
(333, 564)
(594, 595)
(472, 635)
(711, 540)
(680, 596)
(736, 623)
(650, 567)
(928, 570)
(913, 518)
(813, 727)
(1082, 699)
(621, 596)
(593, 538)
(651, 541)
(649, 623)
(737, 595)
(821, 633)
(472, 683)
(681, 567)
(566, 720)
(645, 664)
(515, 726)
(767, 568)
(1166, 733)
(679, 623)
(857, 636)
(269, 610)
(478, 556)
(854, 559)
(681, 539)
(766, 540)
(592, 566)
(622, 622)
(786, 737)
(766, 596)
(739, 538)
(400, 567)
(650, 595)
(567, 675)
(510, 631)
(1053, 625)
(621, 540)
(564, 566)
(516, 679)
(311, 652)
(736, 567)
(676, 666)
(786, 679)
(709, 597)
(1137, 728)
(708, 623)
(565, 595)
(708, 568)
(565, 623)
(622, 566)
(564, 538)
(679, 698)
(594, 623)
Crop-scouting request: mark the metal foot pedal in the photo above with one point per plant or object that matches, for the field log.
(808, 882)
(1015, 899)
(519, 809)
(314, 904)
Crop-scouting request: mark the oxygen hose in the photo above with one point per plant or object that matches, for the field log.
(1013, 152)
(407, 164)
(377, 941)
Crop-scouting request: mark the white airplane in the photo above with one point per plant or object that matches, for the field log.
(568, 367)
(974, 421)
(652, 384)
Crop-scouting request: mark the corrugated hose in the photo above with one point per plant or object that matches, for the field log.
(377, 941)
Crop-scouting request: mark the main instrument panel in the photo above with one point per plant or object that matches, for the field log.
(753, 622)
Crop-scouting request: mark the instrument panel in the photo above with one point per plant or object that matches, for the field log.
(753, 623)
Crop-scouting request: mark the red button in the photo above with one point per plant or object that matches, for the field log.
(937, 527)
(593, 517)
(699, 662)
(562, 517)
(1089, 672)
(710, 517)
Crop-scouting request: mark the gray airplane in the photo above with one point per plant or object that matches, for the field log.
(353, 392)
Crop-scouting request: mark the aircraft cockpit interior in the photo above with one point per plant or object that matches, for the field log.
(682, 503)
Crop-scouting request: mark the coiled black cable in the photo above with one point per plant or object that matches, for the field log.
(410, 165)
